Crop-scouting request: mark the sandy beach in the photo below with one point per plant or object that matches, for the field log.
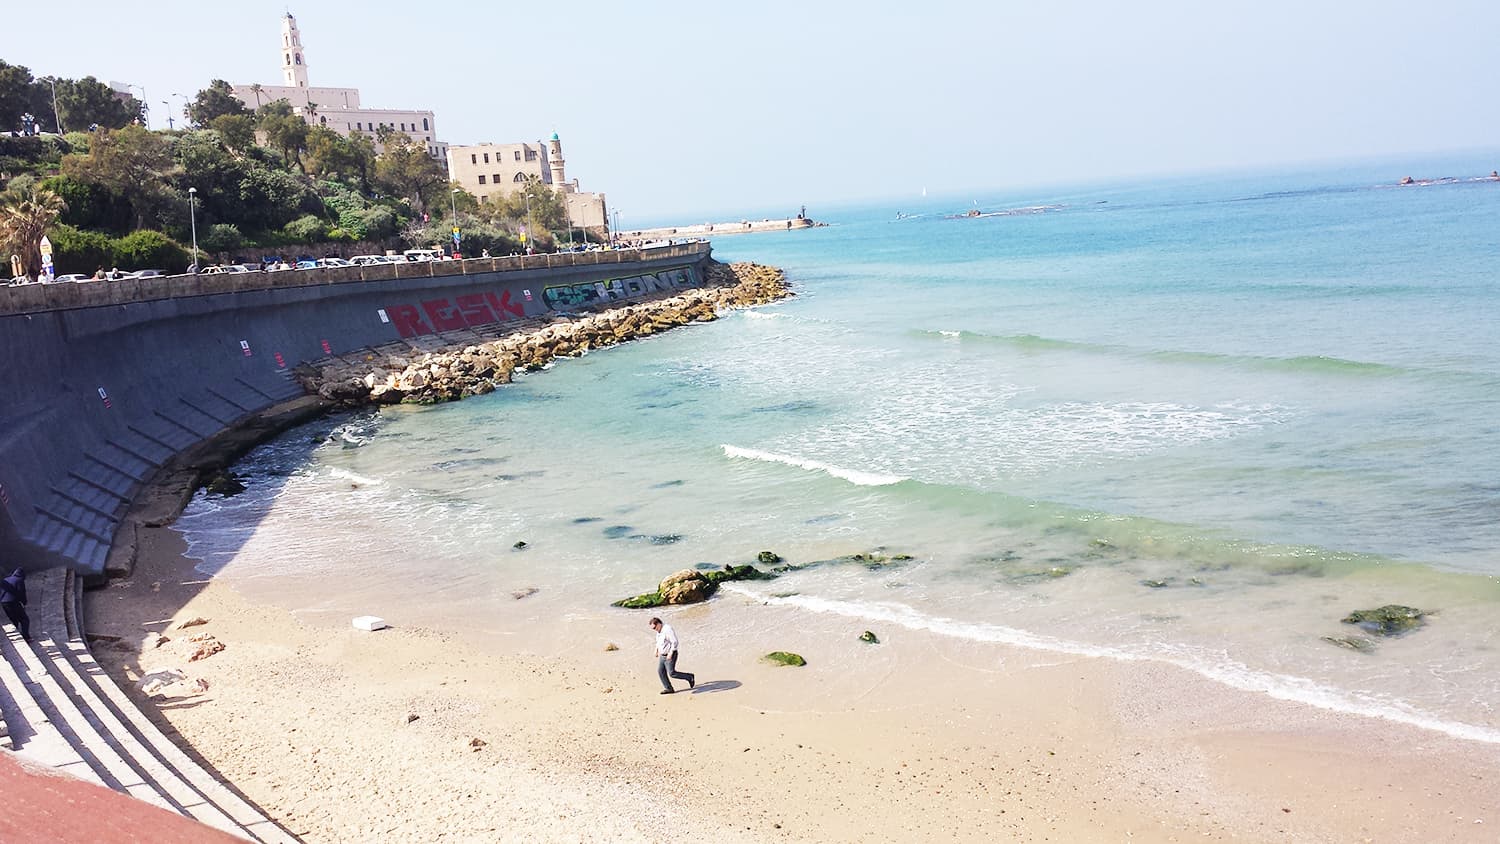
(417, 735)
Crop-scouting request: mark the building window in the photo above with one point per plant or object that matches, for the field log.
(360, 126)
(428, 140)
(288, 59)
(299, 58)
(496, 178)
(486, 158)
(474, 158)
(531, 155)
(425, 127)
(520, 177)
(481, 179)
(518, 155)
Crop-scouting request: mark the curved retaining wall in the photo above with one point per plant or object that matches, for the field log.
(103, 383)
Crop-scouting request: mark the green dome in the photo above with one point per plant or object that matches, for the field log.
(555, 137)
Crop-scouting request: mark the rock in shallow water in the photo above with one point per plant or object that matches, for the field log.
(1389, 620)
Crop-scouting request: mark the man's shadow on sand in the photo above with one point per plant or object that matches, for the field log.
(716, 686)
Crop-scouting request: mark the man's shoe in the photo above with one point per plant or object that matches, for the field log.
(666, 691)
(692, 682)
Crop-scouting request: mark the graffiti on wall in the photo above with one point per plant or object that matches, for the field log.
(615, 289)
(468, 311)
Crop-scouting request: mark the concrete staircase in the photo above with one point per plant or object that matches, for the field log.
(61, 709)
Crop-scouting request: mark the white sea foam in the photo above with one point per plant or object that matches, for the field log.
(853, 476)
(345, 474)
(954, 334)
(763, 315)
(1221, 670)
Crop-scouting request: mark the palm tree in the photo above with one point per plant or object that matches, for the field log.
(312, 112)
(257, 90)
(24, 218)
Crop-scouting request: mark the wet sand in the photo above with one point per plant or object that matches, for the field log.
(313, 722)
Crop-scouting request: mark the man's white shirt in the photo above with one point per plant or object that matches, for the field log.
(666, 640)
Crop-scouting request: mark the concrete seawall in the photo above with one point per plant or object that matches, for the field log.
(105, 383)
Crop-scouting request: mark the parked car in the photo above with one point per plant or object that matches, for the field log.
(306, 265)
(227, 268)
(145, 274)
(73, 277)
(333, 262)
(421, 254)
(366, 260)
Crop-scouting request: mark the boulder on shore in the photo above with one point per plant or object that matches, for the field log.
(784, 658)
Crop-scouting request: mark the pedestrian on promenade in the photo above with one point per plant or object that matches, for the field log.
(13, 601)
(666, 657)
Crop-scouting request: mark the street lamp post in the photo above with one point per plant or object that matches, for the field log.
(145, 105)
(568, 212)
(530, 228)
(617, 224)
(453, 199)
(186, 117)
(170, 127)
(56, 115)
(193, 221)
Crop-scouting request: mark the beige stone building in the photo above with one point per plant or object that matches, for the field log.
(338, 109)
(491, 170)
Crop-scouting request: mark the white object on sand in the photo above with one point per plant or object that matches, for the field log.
(370, 622)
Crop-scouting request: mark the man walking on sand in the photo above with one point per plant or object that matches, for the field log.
(666, 657)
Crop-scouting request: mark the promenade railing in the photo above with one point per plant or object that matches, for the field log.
(37, 298)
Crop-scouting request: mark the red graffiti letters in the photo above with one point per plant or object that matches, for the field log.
(466, 311)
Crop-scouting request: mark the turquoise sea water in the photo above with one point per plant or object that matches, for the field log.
(1195, 421)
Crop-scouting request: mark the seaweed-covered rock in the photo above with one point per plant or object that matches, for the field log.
(1155, 584)
(869, 638)
(686, 587)
(690, 586)
(640, 602)
(745, 572)
(784, 658)
(768, 558)
(1389, 620)
(1353, 643)
(225, 484)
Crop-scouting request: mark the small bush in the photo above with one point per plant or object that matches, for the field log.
(147, 249)
(306, 229)
(221, 237)
(78, 251)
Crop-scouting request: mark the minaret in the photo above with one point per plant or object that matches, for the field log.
(293, 64)
(555, 160)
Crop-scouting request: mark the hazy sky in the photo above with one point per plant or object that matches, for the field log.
(677, 110)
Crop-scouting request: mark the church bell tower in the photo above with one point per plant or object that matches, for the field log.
(293, 63)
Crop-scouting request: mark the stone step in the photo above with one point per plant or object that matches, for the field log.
(222, 808)
(29, 729)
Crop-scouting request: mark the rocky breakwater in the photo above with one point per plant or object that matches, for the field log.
(475, 369)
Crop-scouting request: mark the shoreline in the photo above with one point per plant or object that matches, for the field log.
(309, 721)
(938, 741)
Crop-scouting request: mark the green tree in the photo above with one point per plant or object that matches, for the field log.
(217, 100)
(20, 94)
(83, 103)
(333, 156)
(272, 198)
(89, 206)
(25, 216)
(131, 162)
(285, 130)
(237, 131)
(404, 169)
(536, 205)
